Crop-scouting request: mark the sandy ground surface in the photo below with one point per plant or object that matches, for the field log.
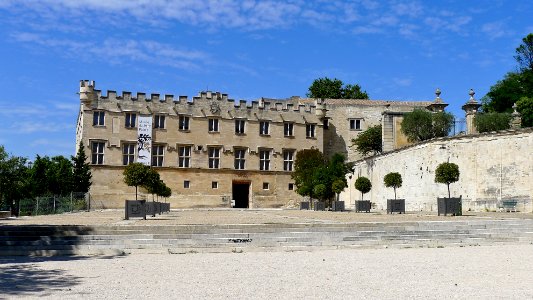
(488, 272)
(235, 216)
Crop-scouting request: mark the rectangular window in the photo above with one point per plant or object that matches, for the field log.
(130, 121)
(158, 153)
(128, 154)
(214, 185)
(159, 121)
(184, 156)
(291, 186)
(97, 153)
(288, 160)
(355, 124)
(266, 186)
(183, 123)
(264, 128)
(239, 159)
(310, 130)
(214, 157)
(98, 118)
(239, 126)
(288, 129)
(186, 184)
(213, 125)
(264, 160)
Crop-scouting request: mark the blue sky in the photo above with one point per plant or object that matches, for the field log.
(396, 50)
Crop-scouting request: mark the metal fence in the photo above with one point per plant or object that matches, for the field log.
(54, 204)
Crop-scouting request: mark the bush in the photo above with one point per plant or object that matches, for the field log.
(420, 125)
(486, 122)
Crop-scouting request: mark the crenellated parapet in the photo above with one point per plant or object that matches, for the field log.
(205, 100)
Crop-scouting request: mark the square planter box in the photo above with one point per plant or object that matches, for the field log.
(135, 209)
(453, 206)
(397, 205)
(317, 205)
(337, 205)
(304, 205)
(363, 205)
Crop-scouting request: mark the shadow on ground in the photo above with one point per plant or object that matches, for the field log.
(22, 276)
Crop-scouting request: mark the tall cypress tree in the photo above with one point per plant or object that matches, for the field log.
(82, 171)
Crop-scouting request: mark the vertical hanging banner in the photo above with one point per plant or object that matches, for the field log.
(144, 140)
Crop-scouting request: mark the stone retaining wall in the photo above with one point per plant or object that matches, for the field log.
(493, 167)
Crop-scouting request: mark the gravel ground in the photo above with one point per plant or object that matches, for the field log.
(488, 272)
(236, 216)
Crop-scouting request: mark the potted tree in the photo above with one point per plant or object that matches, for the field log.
(320, 192)
(363, 185)
(448, 173)
(394, 180)
(337, 187)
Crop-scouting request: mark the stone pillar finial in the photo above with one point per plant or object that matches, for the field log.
(438, 105)
(470, 109)
(472, 93)
(516, 118)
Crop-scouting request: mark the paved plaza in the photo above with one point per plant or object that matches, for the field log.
(497, 272)
(248, 216)
(500, 271)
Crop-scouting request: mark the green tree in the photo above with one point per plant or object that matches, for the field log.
(369, 141)
(524, 53)
(82, 171)
(393, 180)
(320, 191)
(525, 107)
(420, 125)
(60, 176)
(506, 92)
(486, 122)
(363, 185)
(306, 164)
(136, 174)
(515, 85)
(165, 192)
(13, 180)
(153, 183)
(338, 186)
(39, 177)
(326, 88)
(441, 124)
(353, 92)
(447, 173)
(416, 125)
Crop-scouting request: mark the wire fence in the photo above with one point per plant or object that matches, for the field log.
(54, 204)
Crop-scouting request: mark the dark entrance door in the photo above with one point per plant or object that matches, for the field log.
(241, 191)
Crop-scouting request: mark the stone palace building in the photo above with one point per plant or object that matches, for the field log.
(211, 149)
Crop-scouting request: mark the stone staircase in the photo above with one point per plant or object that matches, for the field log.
(115, 240)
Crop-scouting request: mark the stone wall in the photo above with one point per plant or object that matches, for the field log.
(493, 166)
(111, 191)
(338, 137)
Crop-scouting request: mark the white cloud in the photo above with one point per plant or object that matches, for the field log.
(25, 127)
(494, 29)
(403, 81)
(117, 51)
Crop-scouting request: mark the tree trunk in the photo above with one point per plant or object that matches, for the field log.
(135, 193)
(448, 190)
(394, 193)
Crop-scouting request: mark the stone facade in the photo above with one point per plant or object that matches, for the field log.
(494, 167)
(107, 125)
